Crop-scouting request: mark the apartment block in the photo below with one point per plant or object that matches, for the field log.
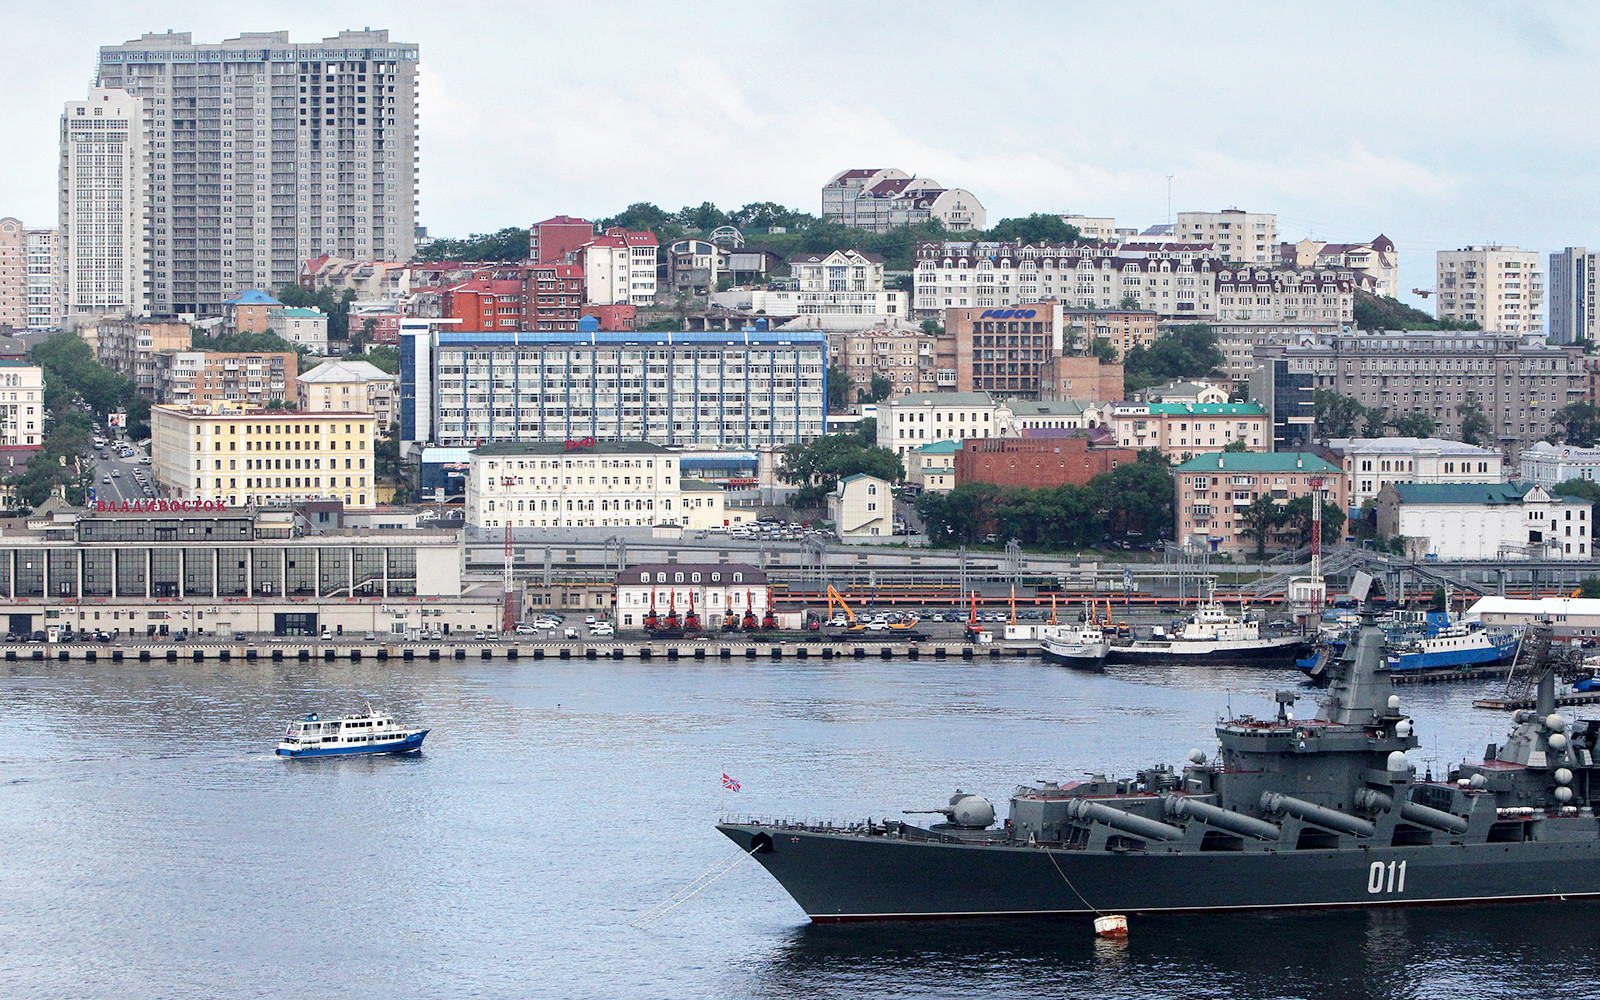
(551, 241)
(1123, 329)
(304, 327)
(21, 404)
(129, 347)
(904, 355)
(249, 457)
(249, 312)
(1572, 295)
(1498, 288)
(911, 421)
(265, 153)
(1182, 430)
(1091, 228)
(1213, 490)
(1176, 281)
(102, 253)
(748, 389)
(1517, 382)
(880, 199)
(1002, 350)
(348, 386)
(370, 279)
(44, 291)
(1377, 258)
(249, 378)
(1249, 237)
(620, 267)
(13, 275)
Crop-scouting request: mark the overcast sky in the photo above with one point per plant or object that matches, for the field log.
(1439, 124)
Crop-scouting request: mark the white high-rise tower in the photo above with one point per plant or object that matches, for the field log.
(101, 253)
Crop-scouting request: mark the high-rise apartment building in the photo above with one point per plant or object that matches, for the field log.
(13, 275)
(43, 293)
(1498, 288)
(1572, 295)
(265, 152)
(101, 254)
(1251, 237)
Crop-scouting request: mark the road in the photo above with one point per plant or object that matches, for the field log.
(114, 479)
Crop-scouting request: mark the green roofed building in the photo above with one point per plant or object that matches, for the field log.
(1488, 521)
(1212, 491)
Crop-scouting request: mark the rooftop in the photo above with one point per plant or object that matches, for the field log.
(1475, 494)
(750, 574)
(570, 448)
(300, 313)
(1259, 461)
(944, 399)
(1207, 409)
(1408, 445)
(346, 371)
(698, 486)
(253, 297)
(948, 446)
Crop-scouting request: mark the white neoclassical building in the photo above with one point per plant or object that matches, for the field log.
(1486, 521)
(587, 483)
(716, 590)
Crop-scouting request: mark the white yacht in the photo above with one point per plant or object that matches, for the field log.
(314, 736)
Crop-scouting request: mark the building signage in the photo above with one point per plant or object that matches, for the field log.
(1008, 314)
(157, 506)
(574, 445)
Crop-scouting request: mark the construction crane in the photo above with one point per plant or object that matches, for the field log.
(834, 597)
(1422, 292)
(508, 617)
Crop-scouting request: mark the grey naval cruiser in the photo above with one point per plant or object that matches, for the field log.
(1289, 813)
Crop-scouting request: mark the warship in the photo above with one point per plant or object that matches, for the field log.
(1288, 813)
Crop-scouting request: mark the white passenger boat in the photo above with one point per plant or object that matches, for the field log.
(314, 736)
(1081, 646)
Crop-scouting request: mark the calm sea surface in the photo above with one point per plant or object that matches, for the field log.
(152, 846)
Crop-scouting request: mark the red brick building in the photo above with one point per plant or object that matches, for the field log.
(552, 297)
(550, 241)
(616, 316)
(1036, 463)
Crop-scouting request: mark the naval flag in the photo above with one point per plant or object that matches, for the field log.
(729, 782)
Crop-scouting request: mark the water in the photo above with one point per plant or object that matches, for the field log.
(152, 846)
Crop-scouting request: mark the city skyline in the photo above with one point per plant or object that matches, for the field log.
(682, 107)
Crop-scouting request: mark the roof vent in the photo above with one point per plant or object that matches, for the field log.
(1299, 463)
(1222, 462)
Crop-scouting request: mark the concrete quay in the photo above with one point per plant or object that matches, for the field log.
(677, 649)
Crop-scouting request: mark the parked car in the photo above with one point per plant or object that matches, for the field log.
(838, 621)
(478, 635)
(327, 634)
(523, 628)
(602, 629)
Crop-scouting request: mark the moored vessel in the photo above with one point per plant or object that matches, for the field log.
(1083, 647)
(373, 732)
(1287, 813)
(1212, 635)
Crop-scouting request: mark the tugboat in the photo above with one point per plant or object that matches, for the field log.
(1288, 814)
(1211, 635)
(314, 736)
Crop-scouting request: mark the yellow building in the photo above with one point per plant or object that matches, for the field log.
(703, 505)
(247, 457)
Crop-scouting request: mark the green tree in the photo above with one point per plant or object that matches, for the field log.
(1102, 348)
(510, 243)
(1034, 229)
(1236, 445)
(264, 342)
(769, 214)
(1374, 425)
(1136, 496)
(818, 466)
(1580, 424)
(1297, 514)
(1589, 587)
(386, 358)
(1129, 301)
(879, 389)
(931, 328)
(1475, 427)
(1182, 352)
(642, 216)
(1374, 312)
(1336, 415)
(1259, 519)
(867, 431)
(1415, 424)
(1583, 489)
(701, 218)
(839, 385)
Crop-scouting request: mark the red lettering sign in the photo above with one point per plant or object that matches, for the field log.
(159, 506)
(580, 443)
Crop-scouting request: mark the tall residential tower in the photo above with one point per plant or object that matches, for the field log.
(101, 254)
(265, 152)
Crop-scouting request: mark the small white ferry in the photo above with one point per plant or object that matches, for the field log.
(1081, 646)
(314, 736)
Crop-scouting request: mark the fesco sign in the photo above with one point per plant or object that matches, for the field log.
(1008, 314)
(157, 506)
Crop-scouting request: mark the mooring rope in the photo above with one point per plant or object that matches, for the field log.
(694, 888)
(1052, 856)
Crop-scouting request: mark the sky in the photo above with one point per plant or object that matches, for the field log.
(1438, 124)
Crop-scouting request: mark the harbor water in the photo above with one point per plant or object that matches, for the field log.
(154, 847)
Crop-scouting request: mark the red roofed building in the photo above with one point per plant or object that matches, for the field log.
(484, 304)
(550, 241)
(612, 317)
(620, 267)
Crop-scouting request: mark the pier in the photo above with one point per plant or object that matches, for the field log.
(355, 652)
